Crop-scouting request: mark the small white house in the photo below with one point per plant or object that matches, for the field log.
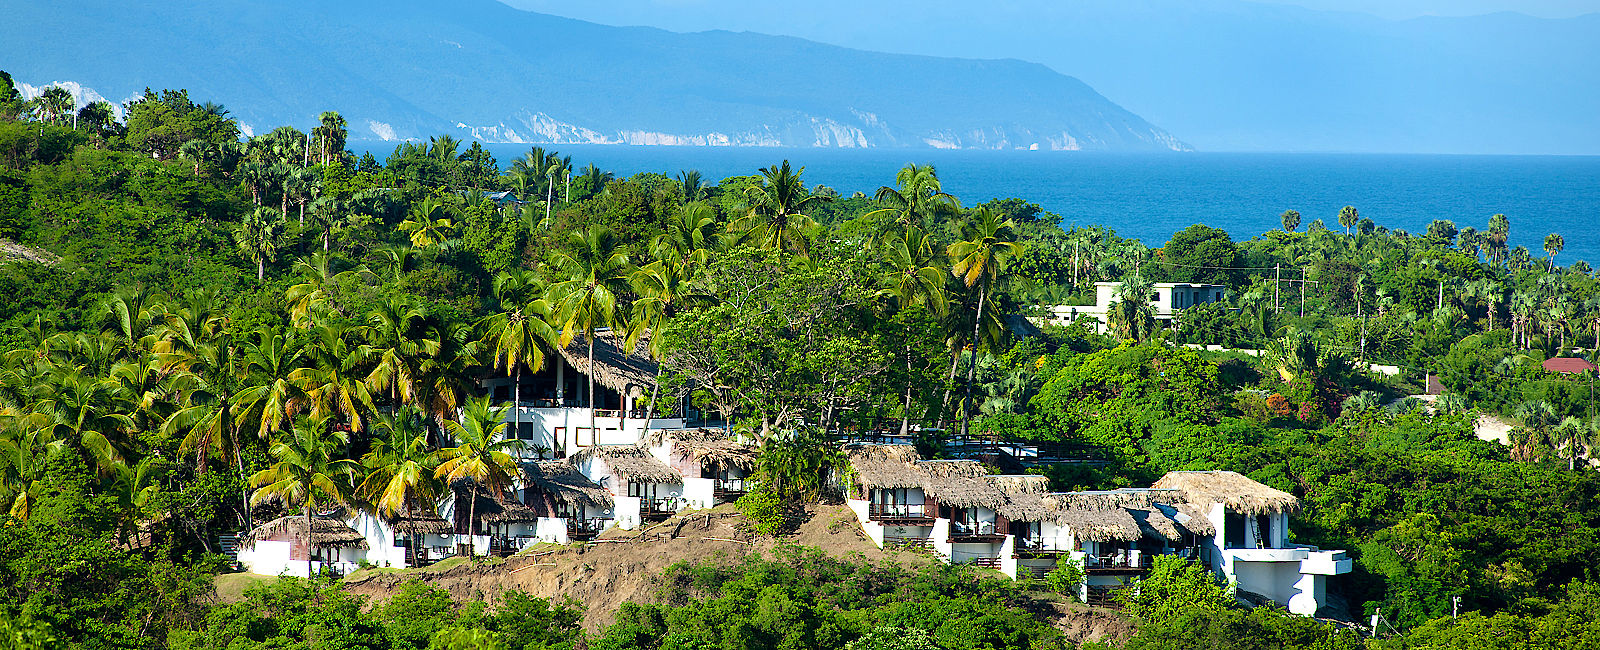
(491, 524)
(1250, 544)
(643, 488)
(287, 546)
(714, 463)
(553, 412)
(1167, 299)
(410, 539)
(570, 506)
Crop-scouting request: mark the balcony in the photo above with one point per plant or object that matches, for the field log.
(728, 488)
(585, 529)
(910, 543)
(657, 509)
(1042, 546)
(908, 513)
(982, 532)
(987, 562)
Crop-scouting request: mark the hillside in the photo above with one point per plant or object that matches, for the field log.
(484, 70)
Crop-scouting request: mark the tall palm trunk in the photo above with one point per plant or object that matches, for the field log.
(949, 388)
(594, 436)
(516, 403)
(261, 270)
(472, 518)
(972, 368)
(905, 408)
(309, 542)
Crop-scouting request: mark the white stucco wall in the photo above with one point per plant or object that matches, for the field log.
(873, 529)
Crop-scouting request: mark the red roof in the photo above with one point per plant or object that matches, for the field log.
(1567, 365)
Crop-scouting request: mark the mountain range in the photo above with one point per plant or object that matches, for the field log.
(478, 68)
(1236, 75)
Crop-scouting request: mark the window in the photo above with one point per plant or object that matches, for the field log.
(1233, 530)
(525, 431)
(1219, 296)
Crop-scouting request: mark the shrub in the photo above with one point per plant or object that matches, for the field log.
(764, 510)
(1067, 578)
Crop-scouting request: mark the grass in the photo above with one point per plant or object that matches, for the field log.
(231, 586)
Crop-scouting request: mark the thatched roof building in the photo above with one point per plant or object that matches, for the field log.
(565, 484)
(326, 532)
(884, 467)
(630, 462)
(959, 483)
(1233, 490)
(1107, 523)
(707, 446)
(492, 510)
(613, 367)
(416, 521)
(1024, 496)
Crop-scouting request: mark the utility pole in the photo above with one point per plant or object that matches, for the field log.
(1074, 264)
(1277, 277)
(1302, 292)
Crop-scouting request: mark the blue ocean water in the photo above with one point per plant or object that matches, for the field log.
(1150, 196)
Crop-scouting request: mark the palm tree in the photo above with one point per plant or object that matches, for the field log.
(430, 223)
(332, 382)
(1536, 416)
(920, 196)
(330, 135)
(689, 237)
(259, 237)
(393, 262)
(481, 453)
(84, 411)
(596, 271)
(400, 467)
(319, 283)
(693, 187)
(307, 472)
(329, 213)
(271, 398)
(912, 279)
(400, 336)
(1566, 435)
(518, 331)
(1290, 219)
(777, 216)
(1348, 217)
(25, 459)
(977, 261)
(1553, 243)
(1130, 315)
(449, 377)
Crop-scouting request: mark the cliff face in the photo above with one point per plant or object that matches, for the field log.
(478, 68)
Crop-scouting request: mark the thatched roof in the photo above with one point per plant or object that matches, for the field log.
(959, 483)
(631, 462)
(326, 532)
(502, 510)
(613, 368)
(1155, 523)
(1233, 490)
(884, 466)
(566, 484)
(1188, 518)
(1024, 496)
(707, 445)
(416, 521)
(1093, 524)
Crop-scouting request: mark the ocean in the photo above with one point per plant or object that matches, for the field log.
(1151, 196)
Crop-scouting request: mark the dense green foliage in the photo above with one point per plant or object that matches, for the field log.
(216, 331)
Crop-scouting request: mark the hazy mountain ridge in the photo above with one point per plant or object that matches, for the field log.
(412, 69)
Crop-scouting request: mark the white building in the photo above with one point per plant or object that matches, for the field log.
(411, 539)
(713, 463)
(1223, 520)
(1250, 546)
(570, 506)
(490, 524)
(283, 547)
(643, 488)
(1167, 299)
(553, 412)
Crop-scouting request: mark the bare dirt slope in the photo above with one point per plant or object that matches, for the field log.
(622, 565)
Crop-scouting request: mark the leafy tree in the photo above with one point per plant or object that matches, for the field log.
(259, 237)
(1291, 220)
(308, 472)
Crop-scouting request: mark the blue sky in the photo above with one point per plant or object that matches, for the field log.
(1240, 75)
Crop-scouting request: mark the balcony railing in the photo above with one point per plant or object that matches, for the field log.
(899, 511)
(586, 528)
(1044, 544)
(907, 542)
(728, 486)
(657, 508)
(975, 529)
(987, 562)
